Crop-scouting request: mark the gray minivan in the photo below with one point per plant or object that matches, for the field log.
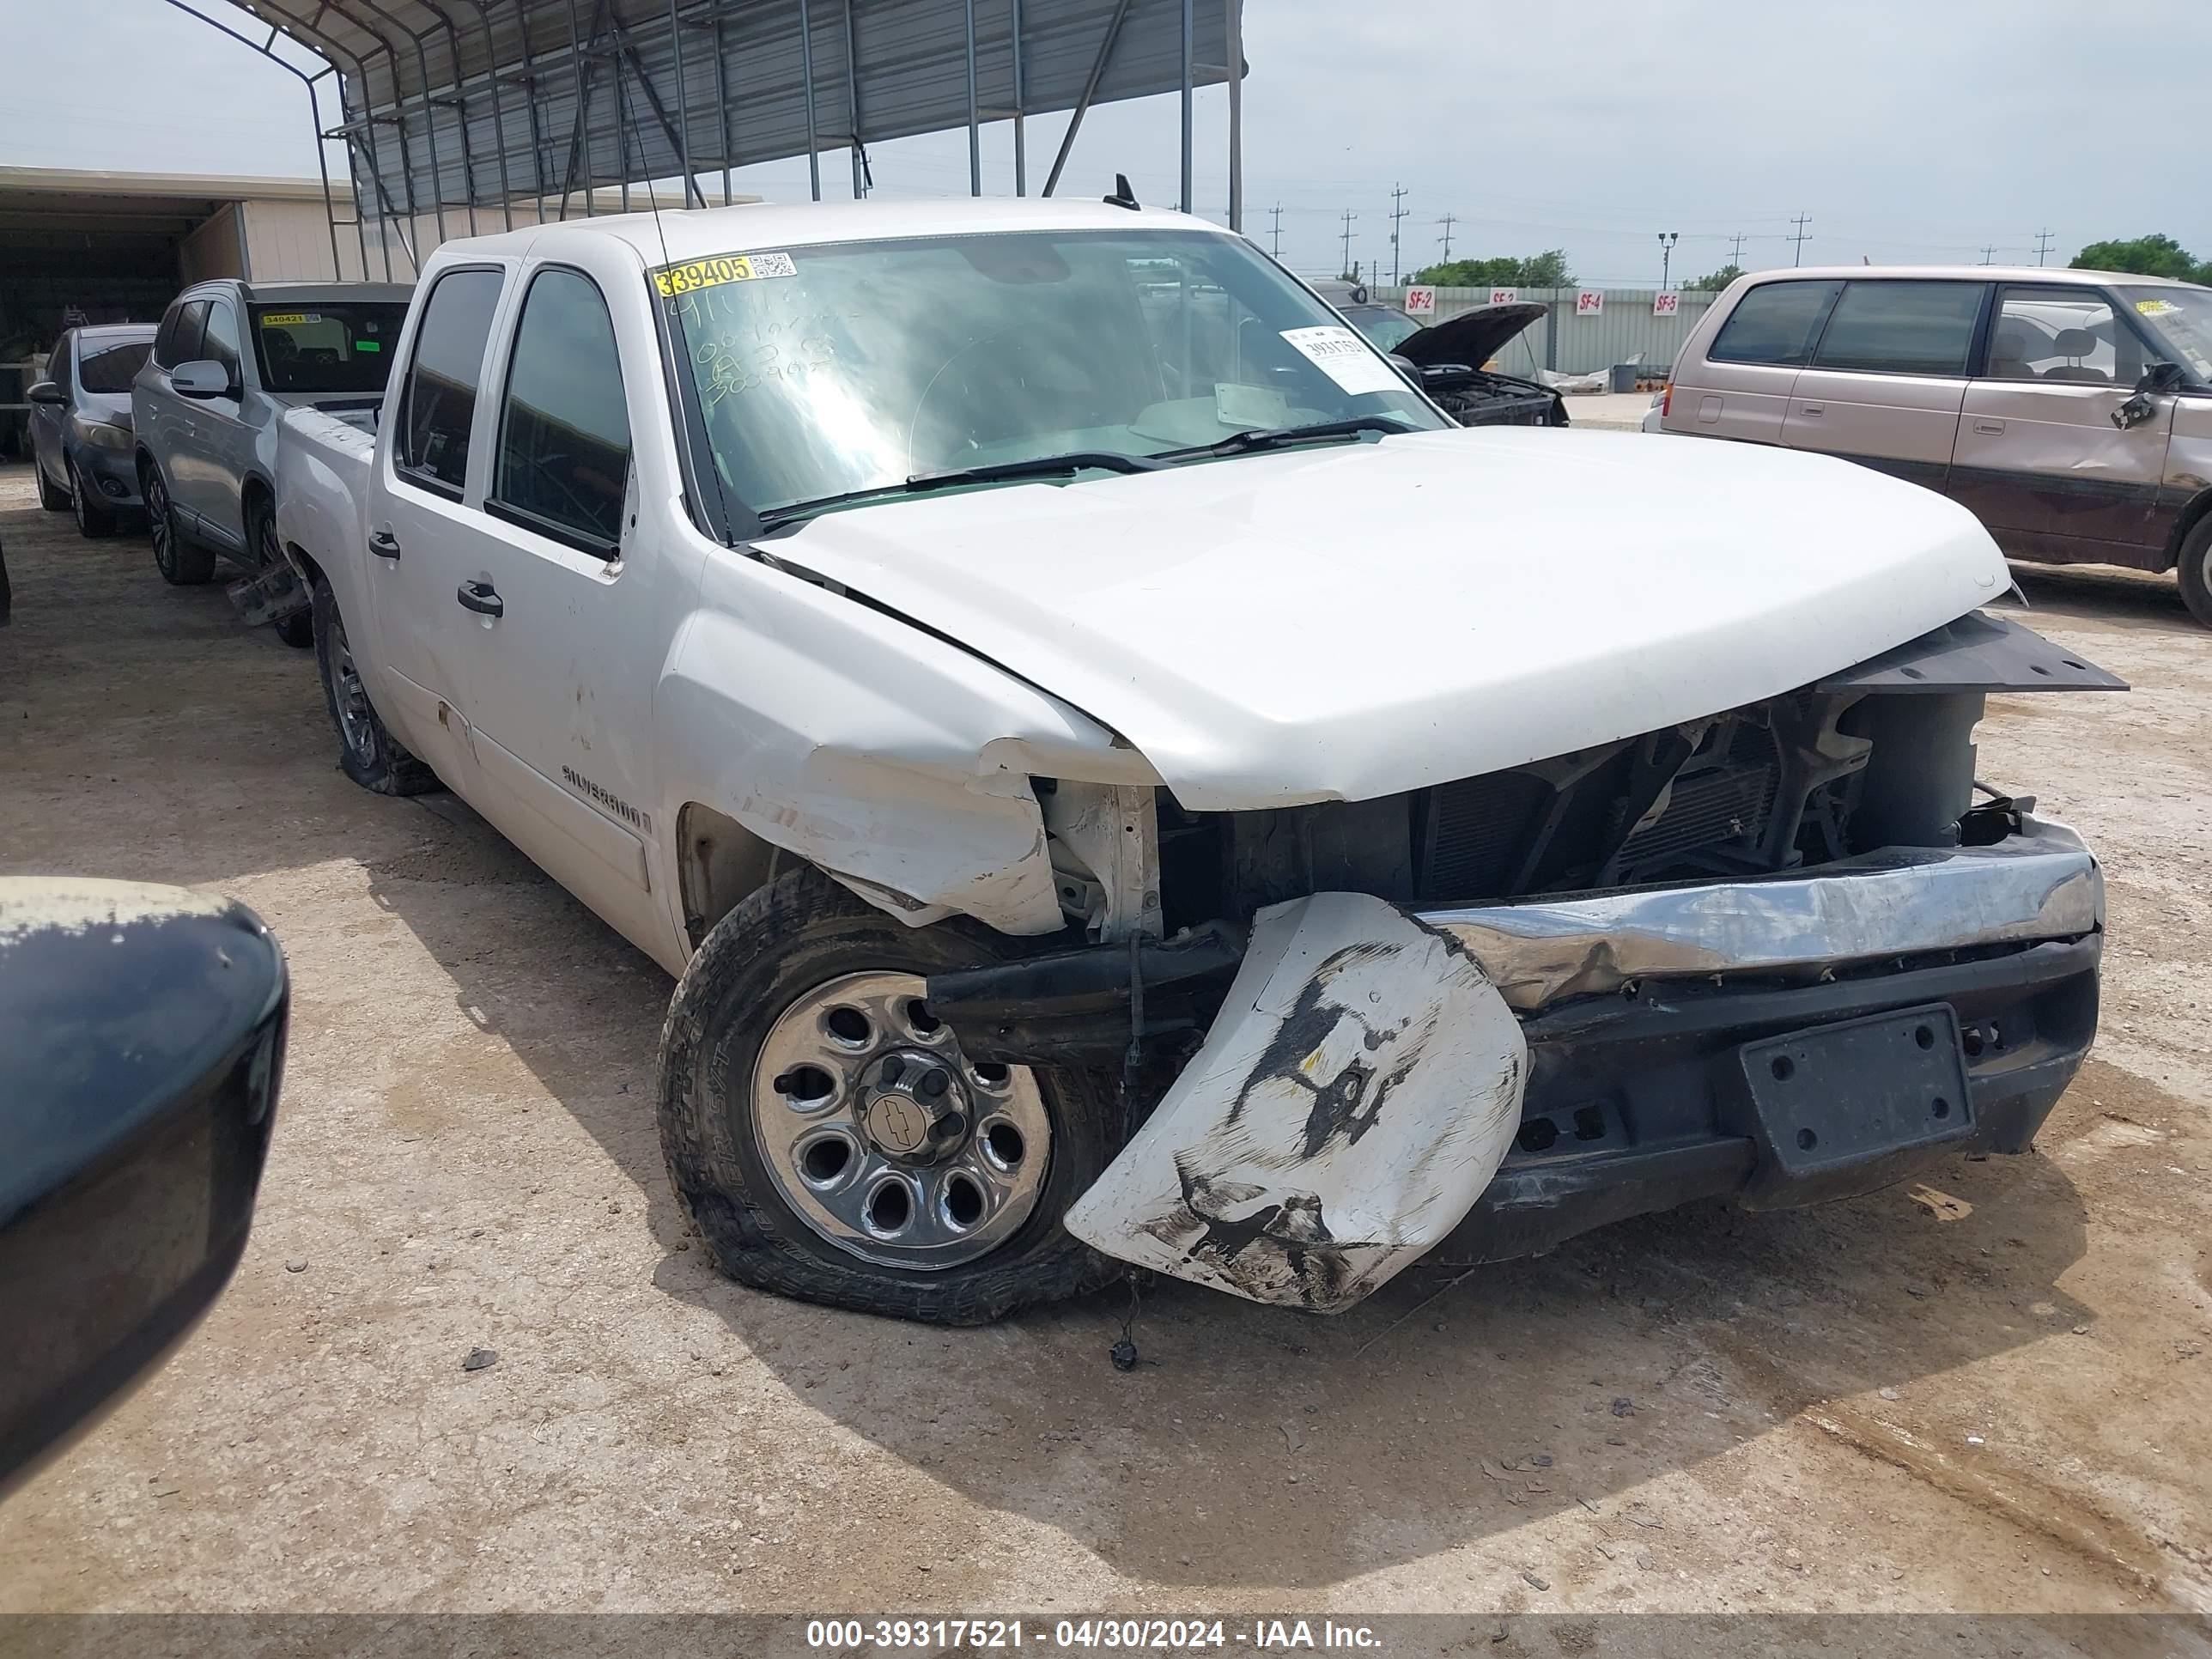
(2070, 410)
(229, 358)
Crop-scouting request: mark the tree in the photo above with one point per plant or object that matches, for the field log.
(1718, 280)
(1546, 269)
(2144, 256)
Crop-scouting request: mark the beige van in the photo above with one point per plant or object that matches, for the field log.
(2071, 410)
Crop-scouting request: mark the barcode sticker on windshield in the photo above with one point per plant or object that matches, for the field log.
(288, 318)
(1345, 358)
(672, 280)
(2156, 308)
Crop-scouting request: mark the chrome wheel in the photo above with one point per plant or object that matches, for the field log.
(883, 1137)
(349, 698)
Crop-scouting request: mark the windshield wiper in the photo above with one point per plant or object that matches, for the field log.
(1036, 467)
(1239, 443)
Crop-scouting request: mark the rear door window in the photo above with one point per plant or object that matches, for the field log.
(1902, 328)
(443, 377)
(564, 436)
(1775, 323)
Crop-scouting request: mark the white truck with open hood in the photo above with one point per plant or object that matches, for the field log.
(1121, 779)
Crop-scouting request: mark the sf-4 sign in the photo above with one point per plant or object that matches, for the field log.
(1589, 302)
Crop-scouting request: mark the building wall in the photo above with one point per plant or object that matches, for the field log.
(212, 250)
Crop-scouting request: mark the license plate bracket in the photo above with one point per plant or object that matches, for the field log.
(1845, 1106)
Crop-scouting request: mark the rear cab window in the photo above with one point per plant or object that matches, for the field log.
(1902, 328)
(439, 400)
(326, 347)
(1774, 322)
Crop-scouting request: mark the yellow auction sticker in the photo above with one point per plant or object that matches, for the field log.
(286, 318)
(672, 280)
(2156, 308)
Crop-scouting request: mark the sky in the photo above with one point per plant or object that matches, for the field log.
(1908, 130)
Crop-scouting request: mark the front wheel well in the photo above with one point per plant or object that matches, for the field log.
(2191, 515)
(719, 863)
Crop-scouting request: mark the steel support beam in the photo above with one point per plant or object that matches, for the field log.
(1090, 91)
(1021, 140)
(1233, 24)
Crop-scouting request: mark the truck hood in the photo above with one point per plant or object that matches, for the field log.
(1472, 337)
(1352, 621)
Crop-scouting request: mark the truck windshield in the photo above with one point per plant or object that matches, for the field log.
(828, 372)
(329, 346)
(2181, 318)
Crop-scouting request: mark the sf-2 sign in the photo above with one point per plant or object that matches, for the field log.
(1505, 296)
(1666, 304)
(1420, 302)
(1589, 302)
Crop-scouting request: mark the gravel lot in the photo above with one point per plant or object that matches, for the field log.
(1988, 1396)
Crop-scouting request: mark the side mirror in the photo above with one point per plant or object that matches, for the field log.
(2161, 377)
(142, 1041)
(202, 379)
(45, 391)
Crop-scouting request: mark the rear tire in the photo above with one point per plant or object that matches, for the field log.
(368, 753)
(95, 519)
(182, 562)
(297, 630)
(769, 959)
(2194, 571)
(51, 496)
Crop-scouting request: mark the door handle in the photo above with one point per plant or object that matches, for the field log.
(384, 544)
(478, 597)
(1990, 427)
(1814, 409)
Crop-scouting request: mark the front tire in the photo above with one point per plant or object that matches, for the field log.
(182, 562)
(799, 1070)
(2195, 571)
(95, 517)
(368, 753)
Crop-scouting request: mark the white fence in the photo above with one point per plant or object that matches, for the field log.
(1575, 338)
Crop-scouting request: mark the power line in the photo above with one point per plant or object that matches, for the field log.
(1397, 212)
(1799, 237)
(2042, 245)
(1448, 221)
(1349, 216)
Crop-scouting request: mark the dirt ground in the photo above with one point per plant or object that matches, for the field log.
(1985, 1395)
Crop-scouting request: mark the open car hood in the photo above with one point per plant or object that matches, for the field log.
(1348, 621)
(1472, 337)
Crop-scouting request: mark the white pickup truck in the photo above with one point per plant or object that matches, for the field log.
(1120, 779)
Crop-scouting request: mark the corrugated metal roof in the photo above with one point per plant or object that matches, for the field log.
(449, 102)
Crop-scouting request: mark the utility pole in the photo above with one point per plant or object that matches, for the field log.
(1989, 254)
(2042, 245)
(1349, 216)
(1797, 241)
(1667, 240)
(1276, 213)
(1448, 221)
(1735, 249)
(1397, 212)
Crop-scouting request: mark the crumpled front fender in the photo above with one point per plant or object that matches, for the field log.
(1351, 1101)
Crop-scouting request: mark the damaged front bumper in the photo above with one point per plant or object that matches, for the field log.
(1477, 1083)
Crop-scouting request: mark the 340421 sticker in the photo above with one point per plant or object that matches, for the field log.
(695, 274)
(287, 318)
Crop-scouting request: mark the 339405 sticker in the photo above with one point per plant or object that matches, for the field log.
(695, 274)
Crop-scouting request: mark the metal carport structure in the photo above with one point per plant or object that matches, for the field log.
(459, 114)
